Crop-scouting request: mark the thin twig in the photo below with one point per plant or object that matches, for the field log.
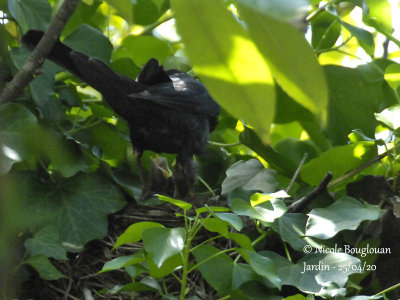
(294, 177)
(36, 59)
(300, 204)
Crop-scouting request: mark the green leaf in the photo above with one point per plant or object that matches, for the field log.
(275, 209)
(296, 297)
(145, 12)
(171, 239)
(345, 213)
(141, 48)
(124, 9)
(295, 149)
(46, 242)
(249, 175)
(300, 76)
(217, 271)
(77, 206)
(390, 117)
(364, 38)
(288, 110)
(33, 14)
(249, 138)
(315, 271)
(291, 228)
(233, 220)
(84, 13)
(16, 124)
(168, 266)
(264, 267)
(23, 140)
(325, 29)
(338, 161)
(215, 225)
(182, 204)
(243, 273)
(241, 239)
(91, 42)
(232, 68)
(134, 232)
(353, 102)
(392, 76)
(379, 16)
(44, 267)
(123, 261)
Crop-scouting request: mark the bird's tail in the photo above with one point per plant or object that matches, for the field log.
(92, 71)
(60, 53)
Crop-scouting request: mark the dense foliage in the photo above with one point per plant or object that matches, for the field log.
(296, 125)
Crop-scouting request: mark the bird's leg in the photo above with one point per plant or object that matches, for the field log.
(184, 176)
(139, 164)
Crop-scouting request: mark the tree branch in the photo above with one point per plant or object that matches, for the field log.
(36, 59)
(303, 202)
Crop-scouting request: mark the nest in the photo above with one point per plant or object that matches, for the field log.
(82, 269)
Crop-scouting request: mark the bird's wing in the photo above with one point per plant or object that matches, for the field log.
(182, 93)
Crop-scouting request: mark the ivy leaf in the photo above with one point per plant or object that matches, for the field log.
(249, 175)
(265, 267)
(46, 242)
(266, 212)
(24, 140)
(44, 267)
(77, 207)
(345, 213)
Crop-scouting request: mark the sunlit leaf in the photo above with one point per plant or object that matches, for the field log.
(227, 61)
(345, 213)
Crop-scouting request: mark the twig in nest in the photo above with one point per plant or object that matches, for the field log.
(300, 204)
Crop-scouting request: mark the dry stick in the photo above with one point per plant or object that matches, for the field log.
(303, 202)
(36, 59)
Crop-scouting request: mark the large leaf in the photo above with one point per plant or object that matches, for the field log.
(77, 207)
(345, 213)
(315, 271)
(291, 228)
(280, 44)
(141, 48)
(23, 140)
(249, 175)
(353, 102)
(45, 268)
(265, 267)
(338, 161)
(171, 239)
(46, 242)
(33, 14)
(91, 42)
(266, 212)
(227, 61)
(216, 271)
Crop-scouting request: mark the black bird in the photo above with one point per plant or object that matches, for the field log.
(167, 110)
